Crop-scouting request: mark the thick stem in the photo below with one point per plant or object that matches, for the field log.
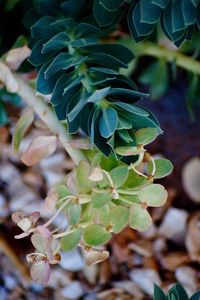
(159, 51)
(47, 115)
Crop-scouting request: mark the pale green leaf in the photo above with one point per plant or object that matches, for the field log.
(71, 240)
(128, 151)
(100, 198)
(153, 195)
(119, 218)
(145, 136)
(74, 214)
(163, 167)
(139, 218)
(95, 235)
(84, 184)
(119, 175)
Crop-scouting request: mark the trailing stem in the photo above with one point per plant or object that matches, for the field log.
(47, 115)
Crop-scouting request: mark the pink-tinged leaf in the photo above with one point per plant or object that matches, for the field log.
(21, 128)
(8, 79)
(34, 217)
(55, 246)
(51, 200)
(35, 257)
(18, 216)
(44, 231)
(71, 183)
(96, 256)
(40, 272)
(96, 175)
(80, 144)
(41, 147)
(22, 235)
(16, 56)
(40, 243)
(24, 224)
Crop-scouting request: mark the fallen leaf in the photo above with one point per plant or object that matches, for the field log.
(187, 276)
(192, 239)
(191, 179)
(169, 228)
(96, 256)
(145, 279)
(40, 272)
(41, 147)
(174, 260)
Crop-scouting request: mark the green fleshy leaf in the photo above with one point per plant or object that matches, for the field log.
(124, 123)
(132, 108)
(128, 151)
(96, 235)
(98, 95)
(153, 195)
(139, 218)
(100, 198)
(119, 218)
(62, 191)
(111, 5)
(58, 42)
(74, 214)
(104, 215)
(158, 293)
(163, 167)
(150, 13)
(119, 175)
(108, 122)
(71, 240)
(145, 136)
(103, 16)
(84, 184)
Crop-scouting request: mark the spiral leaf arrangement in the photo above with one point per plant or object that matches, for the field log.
(178, 19)
(82, 76)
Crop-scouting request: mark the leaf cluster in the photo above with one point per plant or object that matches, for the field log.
(82, 75)
(177, 292)
(105, 202)
(178, 19)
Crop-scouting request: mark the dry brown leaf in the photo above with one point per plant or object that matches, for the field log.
(8, 79)
(191, 179)
(143, 248)
(16, 56)
(174, 260)
(145, 279)
(193, 238)
(41, 147)
(174, 224)
(187, 276)
(96, 256)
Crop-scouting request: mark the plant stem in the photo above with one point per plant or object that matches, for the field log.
(57, 213)
(127, 192)
(47, 115)
(159, 51)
